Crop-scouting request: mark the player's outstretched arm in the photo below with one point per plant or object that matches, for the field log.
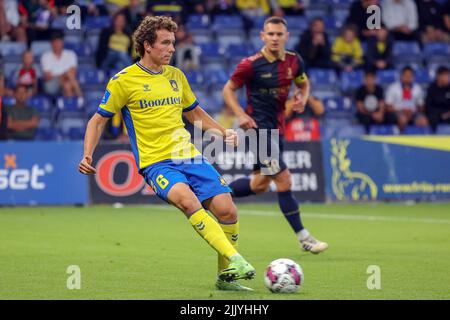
(94, 131)
(231, 100)
(200, 118)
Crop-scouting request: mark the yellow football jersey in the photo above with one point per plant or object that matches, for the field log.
(151, 105)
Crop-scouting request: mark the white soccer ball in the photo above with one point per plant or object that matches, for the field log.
(283, 276)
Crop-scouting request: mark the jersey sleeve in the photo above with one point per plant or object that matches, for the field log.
(113, 100)
(243, 73)
(189, 101)
(300, 76)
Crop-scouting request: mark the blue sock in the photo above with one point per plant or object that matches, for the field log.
(290, 209)
(241, 188)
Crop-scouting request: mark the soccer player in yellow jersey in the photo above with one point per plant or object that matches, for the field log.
(152, 96)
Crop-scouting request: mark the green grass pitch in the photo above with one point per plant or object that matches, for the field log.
(151, 252)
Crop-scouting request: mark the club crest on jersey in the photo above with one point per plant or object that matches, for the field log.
(174, 85)
(289, 73)
(146, 88)
(222, 181)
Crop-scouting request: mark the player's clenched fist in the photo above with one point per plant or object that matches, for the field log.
(85, 166)
(231, 137)
(298, 104)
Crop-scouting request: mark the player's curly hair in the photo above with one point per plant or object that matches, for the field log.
(147, 31)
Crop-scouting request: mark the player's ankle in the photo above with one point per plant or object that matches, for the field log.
(303, 234)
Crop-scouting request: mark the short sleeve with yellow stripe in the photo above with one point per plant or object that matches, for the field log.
(189, 101)
(300, 76)
(113, 100)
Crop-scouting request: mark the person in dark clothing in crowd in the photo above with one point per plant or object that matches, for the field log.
(314, 46)
(437, 103)
(370, 106)
(359, 16)
(431, 21)
(133, 13)
(114, 45)
(22, 119)
(379, 50)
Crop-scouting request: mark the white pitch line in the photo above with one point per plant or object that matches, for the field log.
(335, 216)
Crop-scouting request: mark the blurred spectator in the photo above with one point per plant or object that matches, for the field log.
(60, 69)
(405, 98)
(251, 9)
(187, 54)
(134, 13)
(447, 17)
(22, 120)
(438, 98)
(113, 6)
(314, 46)
(11, 26)
(358, 17)
(174, 8)
(401, 18)
(3, 121)
(224, 7)
(114, 45)
(370, 107)
(227, 118)
(287, 7)
(347, 53)
(201, 6)
(431, 21)
(379, 50)
(26, 74)
(39, 19)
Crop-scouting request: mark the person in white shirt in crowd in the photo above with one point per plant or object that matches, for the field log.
(405, 99)
(59, 66)
(401, 19)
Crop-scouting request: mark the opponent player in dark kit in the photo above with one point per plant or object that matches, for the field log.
(268, 76)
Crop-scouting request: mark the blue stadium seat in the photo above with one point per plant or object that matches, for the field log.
(99, 22)
(340, 4)
(39, 47)
(333, 25)
(226, 40)
(43, 105)
(212, 52)
(226, 23)
(413, 130)
(217, 78)
(258, 23)
(437, 52)
(239, 51)
(47, 134)
(59, 22)
(407, 52)
(312, 13)
(80, 49)
(423, 76)
(197, 22)
(386, 77)
(351, 80)
(443, 129)
(297, 23)
(12, 51)
(92, 79)
(8, 101)
(195, 79)
(349, 131)
(75, 133)
(384, 130)
(70, 104)
(338, 106)
(323, 78)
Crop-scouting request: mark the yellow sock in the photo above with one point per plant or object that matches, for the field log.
(232, 233)
(210, 230)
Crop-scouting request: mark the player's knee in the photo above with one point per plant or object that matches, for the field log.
(228, 214)
(188, 205)
(284, 184)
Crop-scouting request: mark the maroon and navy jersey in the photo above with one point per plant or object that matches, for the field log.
(268, 81)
